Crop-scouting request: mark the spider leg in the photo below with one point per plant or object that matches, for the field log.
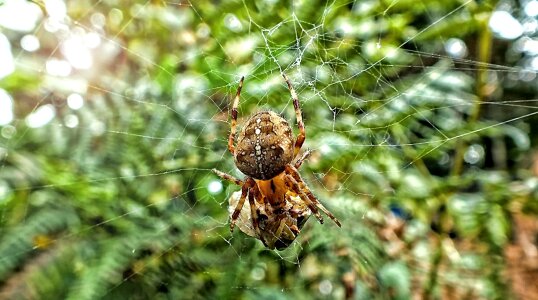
(227, 177)
(252, 196)
(233, 113)
(290, 170)
(301, 159)
(245, 188)
(302, 132)
(295, 187)
(278, 232)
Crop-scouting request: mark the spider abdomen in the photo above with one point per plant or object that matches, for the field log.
(265, 146)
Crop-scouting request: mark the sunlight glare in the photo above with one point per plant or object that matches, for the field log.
(325, 287)
(30, 43)
(76, 53)
(530, 46)
(98, 20)
(7, 65)
(41, 116)
(75, 101)
(531, 9)
(505, 26)
(53, 25)
(56, 20)
(232, 23)
(11, 12)
(97, 128)
(6, 108)
(456, 48)
(258, 273)
(346, 27)
(214, 187)
(92, 40)
(71, 121)
(203, 31)
(241, 48)
(530, 26)
(57, 67)
(534, 63)
(325, 149)
(8, 131)
(56, 9)
(474, 154)
(4, 192)
(115, 16)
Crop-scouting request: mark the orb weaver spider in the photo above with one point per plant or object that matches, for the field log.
(267, 153)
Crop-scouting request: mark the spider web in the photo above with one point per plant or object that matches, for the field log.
(375, 107)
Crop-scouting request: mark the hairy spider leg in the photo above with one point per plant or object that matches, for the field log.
(301, 159)
(233, 113)
(296, 188)
(244, 191)
(302, 132)
(227, 177)
(253, 194)
(290, 170)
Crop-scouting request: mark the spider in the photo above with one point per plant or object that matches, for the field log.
(274, 231)
(267, 153)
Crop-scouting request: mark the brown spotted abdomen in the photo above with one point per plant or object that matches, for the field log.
(264, 146)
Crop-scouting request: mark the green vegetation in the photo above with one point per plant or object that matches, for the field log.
(424, 156)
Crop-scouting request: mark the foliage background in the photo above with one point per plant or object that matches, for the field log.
(425, 157)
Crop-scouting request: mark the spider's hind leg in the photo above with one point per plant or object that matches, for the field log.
(296, 188)
(294, 174)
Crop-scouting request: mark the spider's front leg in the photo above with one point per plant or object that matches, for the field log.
(227, 177)
(233, 114)
(301, 159)
(245, 189)
(299, 115)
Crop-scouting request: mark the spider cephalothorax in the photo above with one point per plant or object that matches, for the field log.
(279, 200)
